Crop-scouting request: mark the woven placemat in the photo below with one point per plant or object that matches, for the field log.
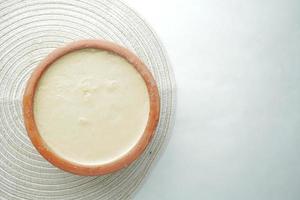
(29, 30)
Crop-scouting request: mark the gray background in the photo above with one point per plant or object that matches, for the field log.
(237, 67)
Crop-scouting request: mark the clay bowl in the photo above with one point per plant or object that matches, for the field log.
(80, 169)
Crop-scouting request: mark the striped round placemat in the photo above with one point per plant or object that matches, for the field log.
(29, 30)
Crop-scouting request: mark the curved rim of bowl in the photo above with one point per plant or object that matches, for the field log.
(101, 169)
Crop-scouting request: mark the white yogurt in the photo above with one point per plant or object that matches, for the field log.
(91, 106)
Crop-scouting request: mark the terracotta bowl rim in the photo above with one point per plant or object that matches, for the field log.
(101, 169)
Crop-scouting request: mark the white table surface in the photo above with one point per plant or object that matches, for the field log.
(237, 67)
